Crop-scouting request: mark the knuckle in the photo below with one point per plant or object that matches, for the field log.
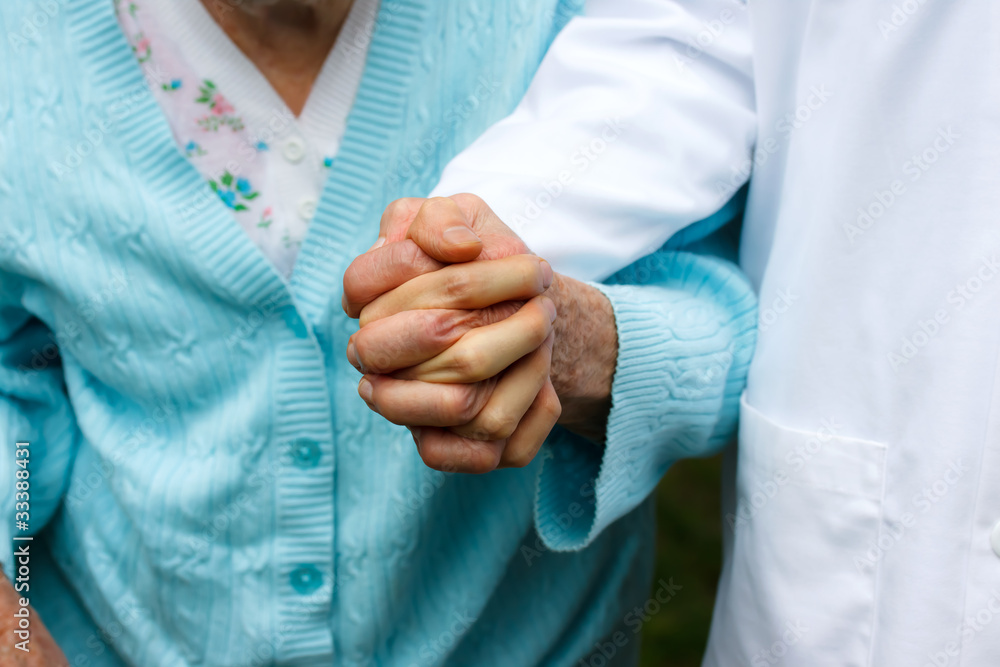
(458, 285)
(440, 206)
(497, 313)
(494, 425)
(445, 454)
(353, 282)
(462, 403)
(391, 210)
(538, 327)
(468, 200)
(434, 455)
(521, 458)
(469, 363)
(407, 253)
(551, 407)
(375, 356)
(398, 210)
(444, 327)
(362, 350)
(480, 458)
(529, 272)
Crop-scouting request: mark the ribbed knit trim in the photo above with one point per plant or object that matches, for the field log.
(608, 487)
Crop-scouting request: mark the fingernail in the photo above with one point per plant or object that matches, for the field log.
(550, 308)
(365, 390)
(460, 235)
(352, 354)
(378, 244)
(547, 274)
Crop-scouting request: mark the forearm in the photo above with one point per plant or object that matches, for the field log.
(584, 356)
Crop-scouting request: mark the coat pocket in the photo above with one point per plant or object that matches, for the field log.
(797, 588)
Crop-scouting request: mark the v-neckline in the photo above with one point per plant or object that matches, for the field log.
(322, 119)
(211, 232)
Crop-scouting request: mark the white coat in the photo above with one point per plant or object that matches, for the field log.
(863, 518)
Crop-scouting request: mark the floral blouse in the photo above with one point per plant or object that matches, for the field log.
(272, 194)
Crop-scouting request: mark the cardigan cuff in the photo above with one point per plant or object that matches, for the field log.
(682, 362)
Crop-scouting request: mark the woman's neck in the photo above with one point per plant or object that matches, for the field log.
(288, 40)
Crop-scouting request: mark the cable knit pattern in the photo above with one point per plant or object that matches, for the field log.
(226, 497)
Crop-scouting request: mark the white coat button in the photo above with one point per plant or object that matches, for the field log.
(294, 149)
(307, 208)
(995, 539)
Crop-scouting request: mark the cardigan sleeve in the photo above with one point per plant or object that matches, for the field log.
(34, 408)
(686, 330)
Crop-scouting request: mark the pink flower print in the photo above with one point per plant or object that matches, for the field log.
(265, 218)
(221, 106)
(142, 48)
(220, 110)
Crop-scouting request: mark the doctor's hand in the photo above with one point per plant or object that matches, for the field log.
(471, 356)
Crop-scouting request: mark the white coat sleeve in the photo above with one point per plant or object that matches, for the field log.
(639, 122)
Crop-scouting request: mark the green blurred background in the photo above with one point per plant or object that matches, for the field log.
(689, 549)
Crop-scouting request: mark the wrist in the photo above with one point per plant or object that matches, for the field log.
(584, 356)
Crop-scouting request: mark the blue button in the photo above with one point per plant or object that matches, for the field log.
(306, 579)
(293, 320)
(305, 453)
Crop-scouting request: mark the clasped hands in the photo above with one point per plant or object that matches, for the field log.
(458, 332)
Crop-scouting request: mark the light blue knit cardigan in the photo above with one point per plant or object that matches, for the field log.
(215, 491)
